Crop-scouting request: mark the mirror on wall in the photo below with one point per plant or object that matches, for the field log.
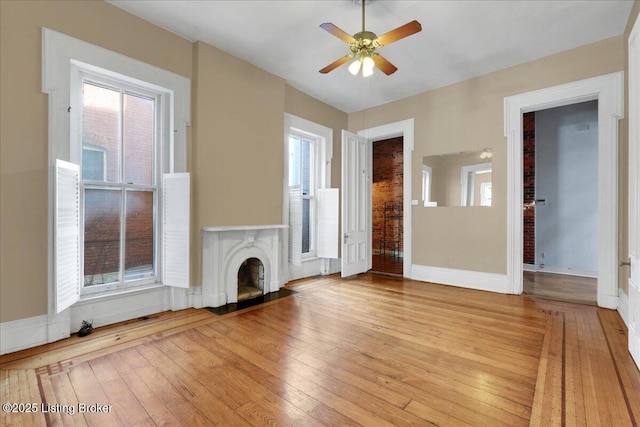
(457, 179)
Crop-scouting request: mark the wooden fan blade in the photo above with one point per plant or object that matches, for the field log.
(399, 33)
(336, 64)
(330, 28)
(384, 65)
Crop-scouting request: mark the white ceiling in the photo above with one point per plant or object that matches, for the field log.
(459, 39)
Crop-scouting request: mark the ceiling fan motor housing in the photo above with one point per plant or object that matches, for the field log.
(366, 41)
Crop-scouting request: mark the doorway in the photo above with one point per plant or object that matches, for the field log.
(387, 206)
(608, 90)
(560, 202)
(357, 174)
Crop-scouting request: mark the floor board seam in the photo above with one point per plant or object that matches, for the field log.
(618, 376)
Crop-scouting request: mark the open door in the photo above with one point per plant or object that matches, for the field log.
(634, 193)
(356, 212)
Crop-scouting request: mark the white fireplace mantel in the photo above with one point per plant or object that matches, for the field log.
(224, 248)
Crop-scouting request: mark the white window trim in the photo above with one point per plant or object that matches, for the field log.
(59, 52)
(324, 154)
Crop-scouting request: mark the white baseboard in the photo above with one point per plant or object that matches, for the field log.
(308, 268)
(335, 266)
(119, 308)
(314, 267)
(23, 333)
(559, 270)
(623, 306)
(34, 331)
(608, 301)
(491, 282)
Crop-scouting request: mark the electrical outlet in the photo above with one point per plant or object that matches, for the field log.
(543, 254)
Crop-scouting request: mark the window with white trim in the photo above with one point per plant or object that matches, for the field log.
(312, 212)
(119, 193)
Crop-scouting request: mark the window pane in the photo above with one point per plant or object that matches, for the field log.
(139, 234)
(306, 167)
(94, 163)
(138, 133)
(101, 236)
(100, 133)
(306, 226)
(294, 161)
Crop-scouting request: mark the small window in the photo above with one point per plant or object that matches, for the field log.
(94, 162)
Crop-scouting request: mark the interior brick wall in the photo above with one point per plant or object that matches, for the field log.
(529, 187)
(387, 187)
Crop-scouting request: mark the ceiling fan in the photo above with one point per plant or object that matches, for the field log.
(363, 47)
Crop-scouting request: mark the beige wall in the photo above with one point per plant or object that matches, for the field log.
(238, 149)
(236, 141)
(469, 116)
(23, 133)
(236, 144)
(302, 105)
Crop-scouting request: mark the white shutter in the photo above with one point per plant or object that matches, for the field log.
(328, 211)
(67, 235)
(295, 225)
(175, 229)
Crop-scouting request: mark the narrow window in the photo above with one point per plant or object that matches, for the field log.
(302, 172)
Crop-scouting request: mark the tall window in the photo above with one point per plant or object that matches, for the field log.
(119, 183)
(302, 172)
(311, 205)
(119, 197)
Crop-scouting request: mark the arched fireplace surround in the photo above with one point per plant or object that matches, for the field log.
(224, 249)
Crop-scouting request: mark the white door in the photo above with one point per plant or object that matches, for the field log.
(634, 192)
(356, 212)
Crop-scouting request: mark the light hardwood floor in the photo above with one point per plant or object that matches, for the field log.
(369, 350)
(562, 287)
(387, 264)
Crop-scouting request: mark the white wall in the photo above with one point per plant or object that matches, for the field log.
(567, 178)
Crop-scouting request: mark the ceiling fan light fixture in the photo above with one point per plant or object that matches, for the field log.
(486, 154)
(367, 66)
(355, 66)
(363, 46)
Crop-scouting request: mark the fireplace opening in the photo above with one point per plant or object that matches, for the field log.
(250, 279)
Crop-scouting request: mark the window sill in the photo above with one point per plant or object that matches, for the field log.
(119, 293)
